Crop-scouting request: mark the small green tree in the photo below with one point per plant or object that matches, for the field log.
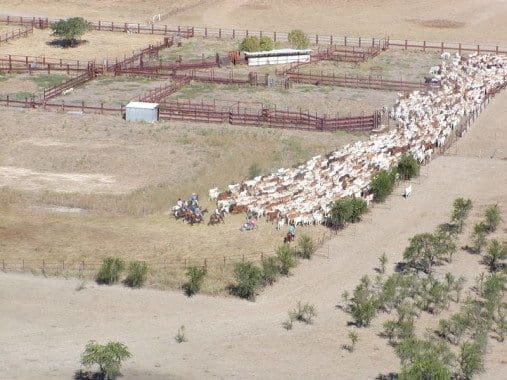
(461, 208)
(266, 43)
(408, 167)
(137, 273)
(270, 270)
(298, 39)
(496, 253)
(110, 270)
(71, 29)
(347, 210)
(195, 278)
(479, 237)
(306, 247)
(420, 254)
(250, 44)
(382, 184)
(471, 360)
(248, 279)
(286, 258)
(303, 313)
(108, 357)
(493, 217)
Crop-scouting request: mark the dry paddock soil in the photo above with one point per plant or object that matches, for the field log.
(45, 323)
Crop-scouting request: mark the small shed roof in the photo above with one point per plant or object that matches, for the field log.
(142, 105)
(278, 52)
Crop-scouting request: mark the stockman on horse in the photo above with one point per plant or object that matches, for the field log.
(291, 233)
(249, 225)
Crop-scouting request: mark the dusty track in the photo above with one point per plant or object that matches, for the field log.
(45, 323)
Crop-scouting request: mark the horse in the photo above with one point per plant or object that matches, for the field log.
(216, 218)
(288, 238)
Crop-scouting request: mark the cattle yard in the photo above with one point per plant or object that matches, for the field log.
(106, 187)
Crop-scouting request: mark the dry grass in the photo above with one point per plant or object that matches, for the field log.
(99, 46)
(147, 167)
(390, 64)
(19, 86)
(327, 100)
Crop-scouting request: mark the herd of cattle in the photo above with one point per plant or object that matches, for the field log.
(303, 195)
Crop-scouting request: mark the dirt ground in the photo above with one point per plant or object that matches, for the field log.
(98, 46)
(433, 20)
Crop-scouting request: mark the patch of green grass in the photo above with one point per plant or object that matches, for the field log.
(49, 80)
(23, 95)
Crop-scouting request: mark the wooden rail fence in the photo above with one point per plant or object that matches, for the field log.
(81, 79)
(28, 64)
(21, 32)
(228, 33)
(369, 82)
(265, 116)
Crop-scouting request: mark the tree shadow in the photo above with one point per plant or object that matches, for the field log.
(400, 267)
(88, 375)
(388, 376)
(64, 43)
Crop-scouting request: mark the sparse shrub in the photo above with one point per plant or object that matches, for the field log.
(354, 338)
(306, 248)
(382, 184)
(254, 170)
(453, 328)
(298, 39)
(479, 237)
(195, 278)
(270, 270)
(288, 324)
(424, 359)
(180, 336)
(364, 303)
(420, 253)
(137, 274)
(248, 279)
(108, 357)
(303, 313)
(493, 217)
(471, 360)
(286, 259)
(382, 263)
(347, 210)
(69, 30)
(408, 167)
(110, 270)
(252, 43)
(495, 254)
(460, 211)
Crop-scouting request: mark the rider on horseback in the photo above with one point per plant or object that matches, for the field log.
(292, 230)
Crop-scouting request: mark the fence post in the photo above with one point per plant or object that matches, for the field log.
(234, 34)
(359, 41)
(205, 32)
(459, 48)
(220, 33)
(99, 25)
(43, 267)
(274, 36)
(3, 265)
(205, 263)
(424, 45)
